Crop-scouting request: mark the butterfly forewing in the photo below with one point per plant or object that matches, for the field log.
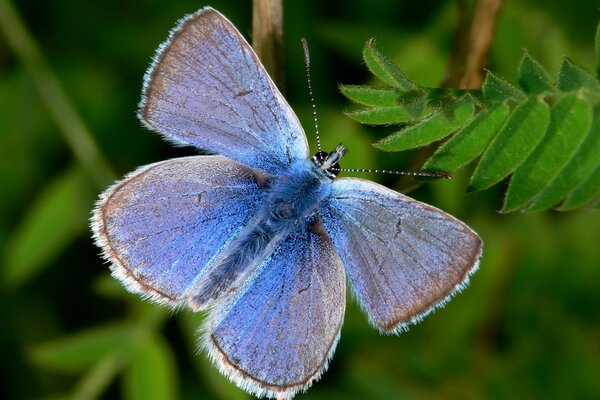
(207, 88)
(277, 337)
(403, 257)
(162, 225)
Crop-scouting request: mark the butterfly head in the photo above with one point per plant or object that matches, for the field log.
(328, 162)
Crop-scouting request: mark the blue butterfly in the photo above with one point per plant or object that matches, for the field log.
(262, 235)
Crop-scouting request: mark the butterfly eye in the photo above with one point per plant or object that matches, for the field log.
(335, 169)
(321, 156)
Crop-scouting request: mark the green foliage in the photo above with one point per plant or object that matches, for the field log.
(513, 143)
(430, 129)
(151, 372)
(385, 69)
(570, 121)
(77, 352)
(58, 215)
(543, 133)
(470, 142)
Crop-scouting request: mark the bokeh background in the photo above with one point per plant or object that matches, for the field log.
(528, 326)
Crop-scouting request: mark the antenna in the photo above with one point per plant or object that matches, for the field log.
(310, 92)
(385, 171)
(321, 154)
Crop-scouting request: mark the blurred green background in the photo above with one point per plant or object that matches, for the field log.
(528, 326)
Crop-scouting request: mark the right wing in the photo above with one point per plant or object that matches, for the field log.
(404, 258)
(161, 226)
(207, 88)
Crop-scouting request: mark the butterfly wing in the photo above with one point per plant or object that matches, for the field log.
(277, 336)
(207, 88)
(163, 224)
(403, 257)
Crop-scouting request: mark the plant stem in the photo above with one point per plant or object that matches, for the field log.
(267, 37)
(75, 133)
(472, 44)
(481, 37)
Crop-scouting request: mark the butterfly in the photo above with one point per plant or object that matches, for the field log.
(262, 235)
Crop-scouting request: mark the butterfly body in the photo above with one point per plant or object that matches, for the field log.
(299, 192)
(262, 235)
(292, 202)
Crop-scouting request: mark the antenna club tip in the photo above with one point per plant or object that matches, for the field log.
(436, 174)
(305, 50)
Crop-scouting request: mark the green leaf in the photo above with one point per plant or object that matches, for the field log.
(215, 382)
(78, 351)
(572, 78)
(56, 217)
(383, 68)
(570, 120)
(534, 78)
(97, 379)
(151, 373)
(509, 125)
(496, 89)
(427, 131)
(414, 102)
(383, 115)
(583, 163)
(371, 96)
(513, 144)
(470, 141)
(588, 191)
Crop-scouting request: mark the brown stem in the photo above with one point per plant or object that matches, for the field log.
(472, 44)
(267, 37)
(481, 37)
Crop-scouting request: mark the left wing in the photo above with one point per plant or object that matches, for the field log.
(276, 337)
(163, 224)
(207, 88)
(403, 257)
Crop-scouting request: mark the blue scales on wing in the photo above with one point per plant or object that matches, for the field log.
(403, 257)
(277, 335)
(207, 88)
(164, 223)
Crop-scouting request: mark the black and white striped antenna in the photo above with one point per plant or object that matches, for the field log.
(433, 174)
(310, 91)
(320, 152)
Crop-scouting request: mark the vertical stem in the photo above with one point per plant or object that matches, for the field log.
(75, 133)
(483, 27)
(267, 37)
(472, 44)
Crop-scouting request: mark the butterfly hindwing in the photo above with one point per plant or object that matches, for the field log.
(162, 225)
(277, 336)
(403, 257)
(208, 88)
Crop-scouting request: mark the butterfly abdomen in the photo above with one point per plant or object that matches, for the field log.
(244, 250)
